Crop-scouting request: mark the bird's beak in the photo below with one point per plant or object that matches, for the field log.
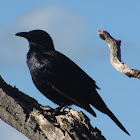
(23, 34)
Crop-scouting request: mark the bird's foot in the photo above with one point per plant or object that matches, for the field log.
(50, 113)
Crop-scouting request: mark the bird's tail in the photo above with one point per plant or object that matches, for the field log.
(112, 116)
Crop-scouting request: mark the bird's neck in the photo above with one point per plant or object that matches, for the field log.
(41, 48)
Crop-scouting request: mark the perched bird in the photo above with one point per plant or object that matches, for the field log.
(60, 79)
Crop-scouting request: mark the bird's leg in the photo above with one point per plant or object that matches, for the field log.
(50, 113)
(65, 108)
(57, 111)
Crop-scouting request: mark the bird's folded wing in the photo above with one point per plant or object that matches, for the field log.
(66, 76)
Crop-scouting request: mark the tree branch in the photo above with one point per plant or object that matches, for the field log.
(115, 55)
(30, 118)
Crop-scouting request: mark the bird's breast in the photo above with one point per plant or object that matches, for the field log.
(33, 63)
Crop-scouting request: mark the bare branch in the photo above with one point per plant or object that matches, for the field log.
(115, 55)
(30, 118)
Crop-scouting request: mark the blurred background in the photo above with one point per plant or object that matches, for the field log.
(74, 25)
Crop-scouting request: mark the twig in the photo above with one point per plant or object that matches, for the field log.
(115, 55)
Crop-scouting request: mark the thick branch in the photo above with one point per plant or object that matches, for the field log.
(115, 55)
(30, 118)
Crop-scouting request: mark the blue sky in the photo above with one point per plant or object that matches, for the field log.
(73, 26)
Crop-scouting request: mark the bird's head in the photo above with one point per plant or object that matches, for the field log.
(38, 37)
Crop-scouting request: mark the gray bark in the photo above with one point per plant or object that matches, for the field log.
(115, 55)
(30, 118)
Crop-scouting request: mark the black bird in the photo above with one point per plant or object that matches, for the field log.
(60, 79)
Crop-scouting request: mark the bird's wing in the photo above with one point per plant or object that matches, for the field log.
(66, 76)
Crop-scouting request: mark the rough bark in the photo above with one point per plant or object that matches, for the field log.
(115, 55)
(30, 118)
